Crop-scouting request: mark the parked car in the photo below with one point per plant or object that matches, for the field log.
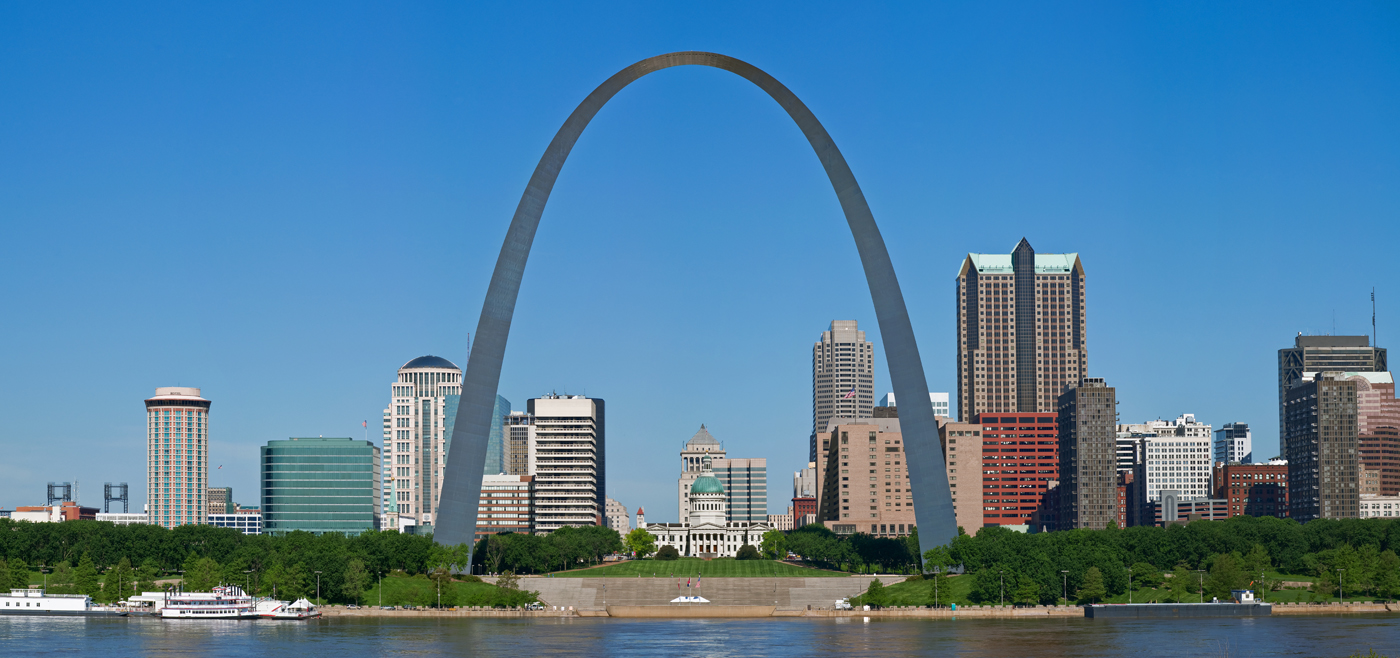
(534, 606)
(843, 604)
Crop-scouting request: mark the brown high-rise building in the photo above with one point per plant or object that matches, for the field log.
(1088, 490)
(843, 378)
(1021, 326)
(1323, 353)
(1320, 444)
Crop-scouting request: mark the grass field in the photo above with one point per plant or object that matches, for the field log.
(685, 567)
(956, 589)
(418, 590)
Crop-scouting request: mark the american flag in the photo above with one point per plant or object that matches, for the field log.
(851, 394)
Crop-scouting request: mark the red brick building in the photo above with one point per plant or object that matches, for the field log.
(1252, 489)
(1125, 486)
(1020, 457)
(803, 506)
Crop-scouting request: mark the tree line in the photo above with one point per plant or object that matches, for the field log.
(130, 558)
(1201, 559)
(565, 548)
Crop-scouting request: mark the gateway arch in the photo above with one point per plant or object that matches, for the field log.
(461, 487)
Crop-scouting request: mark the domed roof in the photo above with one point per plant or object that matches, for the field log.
(707, 484)
(429, 361)
(701, 439)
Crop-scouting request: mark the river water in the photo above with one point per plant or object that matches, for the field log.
(518, 638)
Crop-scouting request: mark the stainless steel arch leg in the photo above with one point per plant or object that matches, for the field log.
(461, 488)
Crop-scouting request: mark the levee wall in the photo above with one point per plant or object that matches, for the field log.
(781, 593)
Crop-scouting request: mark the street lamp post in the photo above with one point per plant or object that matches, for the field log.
(936, 572)
(1064, 585)
(42, 569)
(381, 590)
(1002, 574)
(1340, 598)
(1201, 582)
(1130, 584)
(247, 579)
(318, 588)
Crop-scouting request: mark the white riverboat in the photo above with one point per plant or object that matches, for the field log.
(225, 602)
(35, 602)
(299, 609)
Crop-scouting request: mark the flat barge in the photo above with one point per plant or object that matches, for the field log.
(1177, 610)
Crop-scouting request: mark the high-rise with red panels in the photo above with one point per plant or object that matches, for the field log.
(1020, 458)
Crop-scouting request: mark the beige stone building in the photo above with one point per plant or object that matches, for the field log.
(1021, 331)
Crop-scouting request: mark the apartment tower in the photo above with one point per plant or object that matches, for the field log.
(1021, 331)
(567, 459)
(1088, 491)
(1320, 444)
(843, 377)
(177, 457)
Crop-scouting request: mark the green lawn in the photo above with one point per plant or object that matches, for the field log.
(418, 590)
(952, 589)
(690, 566)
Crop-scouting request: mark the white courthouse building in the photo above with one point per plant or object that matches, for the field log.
(707, 533)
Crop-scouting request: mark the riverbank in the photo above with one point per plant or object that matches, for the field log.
(967, 612)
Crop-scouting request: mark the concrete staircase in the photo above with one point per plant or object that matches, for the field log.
(786, 593)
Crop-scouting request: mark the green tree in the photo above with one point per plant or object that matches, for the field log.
(202, 574)
(119, 582)
(774, 545)
(146, 576)
(748, 552)
(875, 595)
(1182, 583)
(18, 574)
(1027, 591)
(1146, 576)
(668, 553)
(508, 580)
(1093, 588)
(61, 580)
(443, 592)
(356, 579)
(1388, 575)
(85, 579)
(641, 542)
(1225, 575)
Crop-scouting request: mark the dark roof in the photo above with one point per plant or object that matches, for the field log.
(430, 362)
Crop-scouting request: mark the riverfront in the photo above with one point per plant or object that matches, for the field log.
(1322, 637)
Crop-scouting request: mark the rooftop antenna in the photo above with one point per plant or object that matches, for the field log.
(1373, 317)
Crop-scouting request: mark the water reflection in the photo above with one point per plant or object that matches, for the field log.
(516, 638)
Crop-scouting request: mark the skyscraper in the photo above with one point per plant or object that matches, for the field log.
(1233, 444)
(177, 457)
(1021, 331)
(1320, 443)
(843, 377)
(320, 485)
(418, 429)
(1323, 353)
(1088, 495)
(567, 460)
(1378, 428)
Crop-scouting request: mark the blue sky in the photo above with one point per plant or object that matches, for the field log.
(283, 203)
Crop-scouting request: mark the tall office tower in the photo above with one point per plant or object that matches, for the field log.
(1321, 447)
(703, 443)
(320, 485)
(1233, 444)
(938, 400)
(220, 500)
(1172, 455)
(519, 431)
(1323, 353)
(1088, 496)
(507, 505)
(567, 460)
(804, 482)
(1014, 483)
(1378, 428)
(1021, 331)
(843, 377)
(746, 488)
(417, 434)
(177, 457)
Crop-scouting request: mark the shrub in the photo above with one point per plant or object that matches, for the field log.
(748, 552)
(668, 553)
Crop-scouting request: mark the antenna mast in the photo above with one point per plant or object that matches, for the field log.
(1373, 317)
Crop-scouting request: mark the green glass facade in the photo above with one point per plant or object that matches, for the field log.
(320, 485)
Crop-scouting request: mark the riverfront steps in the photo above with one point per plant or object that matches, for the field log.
(789, 592)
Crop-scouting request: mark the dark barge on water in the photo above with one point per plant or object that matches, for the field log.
(1243, 605)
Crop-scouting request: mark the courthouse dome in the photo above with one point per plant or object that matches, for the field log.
(707, 484)
(429, 362)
